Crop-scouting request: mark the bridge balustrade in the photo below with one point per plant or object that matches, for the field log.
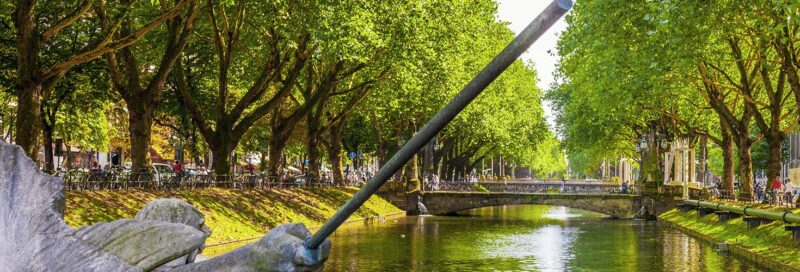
(529, 187)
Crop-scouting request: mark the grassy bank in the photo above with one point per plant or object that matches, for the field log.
(230, 214)
(769, 240)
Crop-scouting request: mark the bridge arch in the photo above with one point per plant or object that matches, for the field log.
(443, 203)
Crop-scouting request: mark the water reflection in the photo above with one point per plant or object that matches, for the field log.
(521, 238)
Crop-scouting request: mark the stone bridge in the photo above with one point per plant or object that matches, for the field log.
(614, 205)
(451, 197)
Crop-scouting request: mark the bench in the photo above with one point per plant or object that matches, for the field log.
(795, 232)
(725, 216)
(754, 222)
(685, 207)
(701, 211)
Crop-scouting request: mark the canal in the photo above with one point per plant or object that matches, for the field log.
(521, 238)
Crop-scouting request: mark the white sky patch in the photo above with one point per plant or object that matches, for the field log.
(543, 53)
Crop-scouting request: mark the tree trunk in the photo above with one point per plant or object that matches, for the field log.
(437, 158)
(67, 163)
(140, 120)
(652, 168)
(383, 147)
(312, 144)
(276, 156)
(221, 155)
(334, 152)
(49, 165)
(775, 143)
(727, 163)
(262, 165)
(313, 159)
(745, 169)
(448, 155)
(29, 114)
(30, 90)
(427, 160)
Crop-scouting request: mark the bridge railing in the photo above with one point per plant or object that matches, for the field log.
(528, 187)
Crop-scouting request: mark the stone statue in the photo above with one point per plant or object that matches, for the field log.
(166, 235)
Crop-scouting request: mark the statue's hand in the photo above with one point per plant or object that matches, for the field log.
(281, 249)
(290, 254)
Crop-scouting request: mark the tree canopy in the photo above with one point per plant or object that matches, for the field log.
(717, 71)
(308, 79)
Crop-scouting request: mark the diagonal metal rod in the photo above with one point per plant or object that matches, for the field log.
(532, 32)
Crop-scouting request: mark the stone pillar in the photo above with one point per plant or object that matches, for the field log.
(692, 166)
(678, 169)
(491, 171)
(667, 165)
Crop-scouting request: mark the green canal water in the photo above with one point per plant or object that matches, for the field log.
(521, 238)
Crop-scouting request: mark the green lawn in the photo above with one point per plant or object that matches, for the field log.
(230, 214)
(768, 240)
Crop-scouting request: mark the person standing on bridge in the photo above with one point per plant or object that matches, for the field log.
(625, 187)
(563, 185)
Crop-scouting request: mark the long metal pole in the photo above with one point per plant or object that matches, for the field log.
(532, 32)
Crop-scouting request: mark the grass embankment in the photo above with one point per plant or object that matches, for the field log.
(769, 240)
(230, 214)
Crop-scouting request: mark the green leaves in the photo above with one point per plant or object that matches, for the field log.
(626, 64)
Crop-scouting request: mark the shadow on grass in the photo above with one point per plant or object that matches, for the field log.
(230, 214)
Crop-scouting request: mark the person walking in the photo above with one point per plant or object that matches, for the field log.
(177, 168)
(625, 187)
(775, 185)
(249, 168)
(788, 192)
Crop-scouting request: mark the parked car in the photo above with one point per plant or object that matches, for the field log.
(195, 172)
(162, 172)
(301, 181)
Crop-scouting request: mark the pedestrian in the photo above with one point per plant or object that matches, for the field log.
(177, 168)
(776, 187)
(788, 192)
(201, 166)
(625, 187)
(95, 168)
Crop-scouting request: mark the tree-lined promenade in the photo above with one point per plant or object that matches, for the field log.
(722, 75)
(272, 80)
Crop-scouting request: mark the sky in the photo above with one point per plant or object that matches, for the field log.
(520, 13)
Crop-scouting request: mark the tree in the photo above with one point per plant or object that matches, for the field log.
(138, 80)
(237, 29)
(674, 54)
(40, 27)
(83, 89)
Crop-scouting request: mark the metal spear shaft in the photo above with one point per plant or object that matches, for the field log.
(530, 34)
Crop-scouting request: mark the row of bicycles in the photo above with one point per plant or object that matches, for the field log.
(79, 180)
